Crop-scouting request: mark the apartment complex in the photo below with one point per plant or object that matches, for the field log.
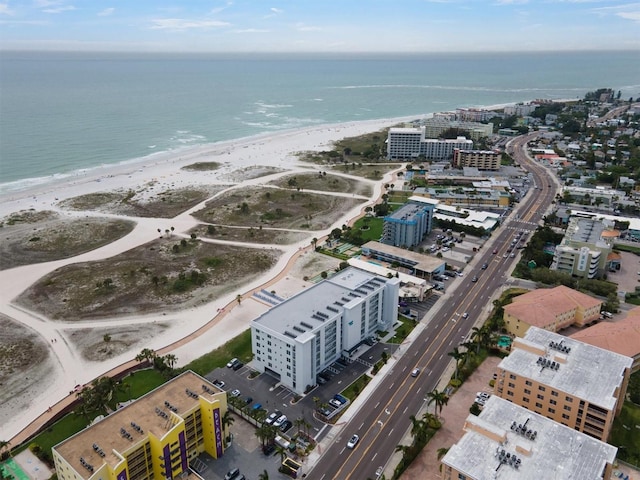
(570, 382)
(297, 339)
(419, 265)
(411, 143)
(480, 159)
(154, 438)
(436, 126)
(474, 115)
(520, 109)
(621, 336)
(408, 225)
(552, 309)
(507, 442)
(466, 197)
(584, 249)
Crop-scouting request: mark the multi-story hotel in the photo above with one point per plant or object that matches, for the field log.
(508, 442)
(552, 309)
(297, 339)
(436, 126)
(408, 225)
(584, 249)
(480, 159)
(570, 382)
(466, 197)
(154, 437)
(411, 143)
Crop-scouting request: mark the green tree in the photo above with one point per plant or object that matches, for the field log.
(314, 243)
(459, 357)
(264, 475)
(239, 298)
(440, 399)
(146, 354)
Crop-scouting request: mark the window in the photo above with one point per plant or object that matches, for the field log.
(554, 393)
(552, 410)
(527, 391)
(538, 405)
(565, 416)
(512, 376)
(528, 383)
(568, 399)
(540, 396)
(541, 388)
(567, 408)
(510, 393)
(512, 385)
(553, 402)
(525, 400)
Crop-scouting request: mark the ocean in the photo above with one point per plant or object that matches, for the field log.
(64, 112)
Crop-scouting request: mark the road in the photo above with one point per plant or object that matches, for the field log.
(383, 420)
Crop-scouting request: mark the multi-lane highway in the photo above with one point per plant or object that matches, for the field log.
(384, 419)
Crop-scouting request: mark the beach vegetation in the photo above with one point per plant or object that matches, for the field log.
(322, 182)
(184, 278)
(258, 234)
(202, 166)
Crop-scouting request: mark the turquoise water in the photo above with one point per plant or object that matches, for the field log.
(61, 112)
(504, 341)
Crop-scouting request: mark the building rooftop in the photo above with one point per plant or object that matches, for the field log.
(171, 399)
(584, 230)
(309, 309)
(587, 372)
(421, 262)
(555, 451)
(540, 307)
(407, 212)
(622, 336)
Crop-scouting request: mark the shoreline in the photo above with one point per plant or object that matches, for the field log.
(270, 149)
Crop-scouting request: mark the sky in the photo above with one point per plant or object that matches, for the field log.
(335, 26)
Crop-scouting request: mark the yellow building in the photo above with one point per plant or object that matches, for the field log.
(551, 309)
(155, 437)
(507, 442)
(571, 382)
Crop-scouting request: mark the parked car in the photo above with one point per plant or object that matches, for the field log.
(235, 393)
(238, 365)
(256, 406)
(218, 383)
(279, 421)
(335, 403)
(353, 441)
(286, 425)
(272, 417)
(248, 400)
(231, 474)
(232, 362)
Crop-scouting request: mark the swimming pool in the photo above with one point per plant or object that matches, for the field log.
(504, 341)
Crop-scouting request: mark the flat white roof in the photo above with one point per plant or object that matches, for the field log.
(555, 452)
(309, 309)
(384, 271)
(587, 372)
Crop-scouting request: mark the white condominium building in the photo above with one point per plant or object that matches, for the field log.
(411, 143)
(297, 339)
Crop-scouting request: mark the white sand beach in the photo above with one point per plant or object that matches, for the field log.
(164, 172)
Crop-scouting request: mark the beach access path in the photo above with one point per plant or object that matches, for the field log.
(193, 331)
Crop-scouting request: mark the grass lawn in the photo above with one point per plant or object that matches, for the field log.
(353, 390)
(139, 383)
(403, 330)
(61, 430)
(374, 232)
(239, 347)
(625, 435)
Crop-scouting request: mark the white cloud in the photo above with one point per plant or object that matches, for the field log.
(276, 11)
(629, 11)
(215, 11)
(184, 24)
(59, 9)
(511, 2)
(5, 10)
(106, 12)
(301, 27)
(252, 30)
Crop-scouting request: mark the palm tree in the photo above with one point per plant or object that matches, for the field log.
(227, 420)
(239, 299)
(314, 243)
(298, 422)
(418, 429)
(441, 452)
(459, 357)
(146, 354)
(5, 445)
(170, 360)
(439, 398)
(280, 450)
(264, 476)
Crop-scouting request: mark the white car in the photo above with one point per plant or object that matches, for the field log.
(235, 393)
(465, 315)
(232, 362)
(415, 372)
(353, 441)
(280, 420)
